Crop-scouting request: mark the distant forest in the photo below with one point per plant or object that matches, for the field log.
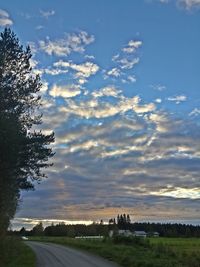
(121, 222)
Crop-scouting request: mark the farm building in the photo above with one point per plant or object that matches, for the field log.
(140, 233)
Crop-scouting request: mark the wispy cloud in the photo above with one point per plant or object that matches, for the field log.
(128, 63)
(75, 42)
(124, 62)
(132, 46)
(189, 4)
(5, 19)
(52, 71)
(195, 112)
(114, 72)
(39, 27)
(48, 13)
(127, 58)
(158, 87)
(178, 99)
(107, 91)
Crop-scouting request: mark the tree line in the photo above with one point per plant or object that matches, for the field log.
(121, 222)
(24, 151)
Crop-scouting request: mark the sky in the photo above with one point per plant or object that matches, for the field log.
(121, 91)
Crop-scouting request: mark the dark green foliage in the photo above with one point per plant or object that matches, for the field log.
(131, 240)
(38, 229)
(168, 229)
(15, 253)
(23, 151)
(164, 229)
(62, 229)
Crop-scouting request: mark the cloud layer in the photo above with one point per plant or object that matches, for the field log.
(115, 151)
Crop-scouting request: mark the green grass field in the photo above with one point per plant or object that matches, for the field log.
(155, 252)
(15, 253)
(182, 244)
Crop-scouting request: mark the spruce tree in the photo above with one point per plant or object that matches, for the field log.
(23, 151)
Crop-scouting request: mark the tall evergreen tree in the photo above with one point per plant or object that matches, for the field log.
(23, 151)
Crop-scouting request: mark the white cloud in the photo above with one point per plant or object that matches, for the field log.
(47, 14)
(107, 91)
(5, 19)
(96, 109)
(114, 72)
(33, 63)
(179, 192)
(54, 71)
(178, 99)
(65, 91)
(89, 56)
(102, 109)
(115, 57)
(125, 61)
(158, 100)
(57, 47)
(132, 46)
(128, 63)
(44, 87)
(161, 121)
(74, 42)
(87, 145)
(131, 78)
(119, 152)
(85, 70)
(144, 108)
(82, 71)
(195, 112)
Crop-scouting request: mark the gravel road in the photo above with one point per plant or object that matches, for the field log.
(53, 255)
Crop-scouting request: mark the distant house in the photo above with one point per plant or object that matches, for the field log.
(120, 232)
(135, 233)
(140, 233)
(153, 234)
(125, 232)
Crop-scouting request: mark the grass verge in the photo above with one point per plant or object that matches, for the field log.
(15, 253)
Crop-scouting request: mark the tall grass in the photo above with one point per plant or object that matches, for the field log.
(15, 253)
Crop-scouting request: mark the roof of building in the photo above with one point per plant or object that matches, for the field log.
(140, 232)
